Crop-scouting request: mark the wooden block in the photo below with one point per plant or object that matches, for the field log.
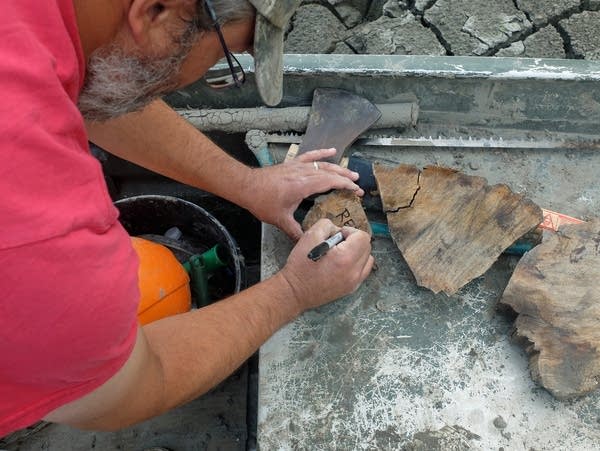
(450, 227)
(291, 153)
(342, 207)
(397, 186)
(555, 289)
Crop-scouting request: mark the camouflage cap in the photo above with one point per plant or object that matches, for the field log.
(272, 17)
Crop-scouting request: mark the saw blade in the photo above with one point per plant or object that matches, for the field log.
(284, 138)
(559, 141)
(481, 143)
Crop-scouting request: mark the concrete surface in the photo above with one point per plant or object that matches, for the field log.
(545, 43)
(403, 35)
(578, 28)
(215, 422)
(470, 29)
(394, 366)
(460, 27)
(532, 28)
(314, 29)
(541, 12)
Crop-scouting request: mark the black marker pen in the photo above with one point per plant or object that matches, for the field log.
(320, 250)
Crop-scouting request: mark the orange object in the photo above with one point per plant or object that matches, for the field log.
(552, 220)
(164, 284)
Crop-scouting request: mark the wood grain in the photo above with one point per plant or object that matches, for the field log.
(343, 208)
(555, 289)
(450, 227)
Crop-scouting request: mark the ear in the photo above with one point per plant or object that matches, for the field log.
(147, 17)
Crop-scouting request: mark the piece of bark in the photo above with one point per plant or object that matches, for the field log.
(342, 207)
(450, 227)
(555, 289)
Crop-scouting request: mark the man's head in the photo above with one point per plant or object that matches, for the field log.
(163, 45)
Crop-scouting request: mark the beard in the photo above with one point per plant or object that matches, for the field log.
(118, 83)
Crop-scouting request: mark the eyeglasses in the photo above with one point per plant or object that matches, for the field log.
(220, 79)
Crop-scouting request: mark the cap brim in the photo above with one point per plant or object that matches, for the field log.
(268, 61)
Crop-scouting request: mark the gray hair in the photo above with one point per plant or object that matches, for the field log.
(225, 10)
(118, 83)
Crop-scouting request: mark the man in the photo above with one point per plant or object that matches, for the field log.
(71, 348)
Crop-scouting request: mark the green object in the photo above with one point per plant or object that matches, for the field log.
(200, 267)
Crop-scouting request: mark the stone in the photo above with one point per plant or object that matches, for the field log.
(476, 27)
(554, 290)
(450, 227)
(499, 422)
(341, 48)
(584, 30)
(349, 15)
(361, 5)
(540, 12)
(515, 49)
(314, 29)
(395, 8)
(375, 10)
(546, 43)
(450, 438)
(395, 36)
(422, 5)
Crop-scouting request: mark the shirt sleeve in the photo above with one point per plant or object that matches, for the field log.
(67, 319)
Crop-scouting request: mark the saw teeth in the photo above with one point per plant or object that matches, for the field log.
(440, 141)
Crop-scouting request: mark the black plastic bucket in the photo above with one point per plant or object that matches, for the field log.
(154, 215)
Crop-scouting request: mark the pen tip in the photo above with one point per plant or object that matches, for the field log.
(318, 252)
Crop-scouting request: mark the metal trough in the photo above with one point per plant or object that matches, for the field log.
(394, 365)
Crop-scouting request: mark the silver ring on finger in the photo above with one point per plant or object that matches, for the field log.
(316, 165)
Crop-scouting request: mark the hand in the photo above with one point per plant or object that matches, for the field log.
(276, 191)
(338, 273)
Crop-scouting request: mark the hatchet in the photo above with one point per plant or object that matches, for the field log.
(337, 118)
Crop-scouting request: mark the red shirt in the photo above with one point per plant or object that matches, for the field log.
(68, 273)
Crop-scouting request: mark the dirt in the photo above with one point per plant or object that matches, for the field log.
(524, 28)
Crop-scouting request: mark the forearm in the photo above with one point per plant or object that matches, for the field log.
(179, 358)
(200, 349)
(158, 139)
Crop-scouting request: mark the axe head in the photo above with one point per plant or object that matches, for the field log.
(336, 119)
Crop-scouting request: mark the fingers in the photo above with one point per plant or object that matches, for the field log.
(337, 274)
(357, 247)
(347, 231)
(323, 175)
(322, 230)
(336, 169)
(315, 155)
(357, 242)
(318, 155)
(322, 181)
(365, 263)
(367, 268)
(292, 228)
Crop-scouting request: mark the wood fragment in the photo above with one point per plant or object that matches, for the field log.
(397, 186)
(450, 227)
(555, 289)
(343, 208)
